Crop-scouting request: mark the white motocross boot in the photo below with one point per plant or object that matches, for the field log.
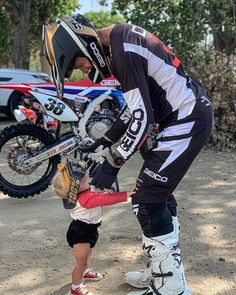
(142, 279)
(176, 225)
(139, 279)
(166, 267)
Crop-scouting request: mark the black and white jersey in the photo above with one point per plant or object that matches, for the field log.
(156, 87)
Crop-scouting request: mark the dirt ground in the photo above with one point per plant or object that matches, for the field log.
(36, 260)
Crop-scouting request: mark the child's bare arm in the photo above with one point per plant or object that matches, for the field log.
(90, 199)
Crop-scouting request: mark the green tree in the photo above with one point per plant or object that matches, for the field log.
(180, 24)
(184, 24)
(44, 12)
(5, 40)
(25, 18)
(103, 18)
(222, 20)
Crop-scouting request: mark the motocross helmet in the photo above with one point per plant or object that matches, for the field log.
(70, 37)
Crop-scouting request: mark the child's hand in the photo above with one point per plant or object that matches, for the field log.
(130, 194)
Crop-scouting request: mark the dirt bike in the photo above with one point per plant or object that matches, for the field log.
(29, 153)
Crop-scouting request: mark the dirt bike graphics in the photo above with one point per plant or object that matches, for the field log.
(55, 108)
(30, 153)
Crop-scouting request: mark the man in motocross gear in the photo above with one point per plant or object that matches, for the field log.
(157, 91)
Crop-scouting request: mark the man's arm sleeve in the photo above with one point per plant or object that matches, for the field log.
(135, 84)
(137, 130)
(120, 125)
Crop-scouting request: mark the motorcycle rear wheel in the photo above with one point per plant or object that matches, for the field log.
(17, 144)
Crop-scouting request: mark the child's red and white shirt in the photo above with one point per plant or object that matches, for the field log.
(89, 205)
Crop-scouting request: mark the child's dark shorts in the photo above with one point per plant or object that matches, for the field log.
(82, 232)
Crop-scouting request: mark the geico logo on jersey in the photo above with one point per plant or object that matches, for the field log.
(134, 129)
(97, 54)
(155, 175)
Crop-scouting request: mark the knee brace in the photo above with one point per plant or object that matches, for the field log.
(155, 218)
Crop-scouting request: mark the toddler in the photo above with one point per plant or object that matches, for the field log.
(82, 233)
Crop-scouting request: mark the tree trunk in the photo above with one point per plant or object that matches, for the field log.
(224, 39)
(20, 14)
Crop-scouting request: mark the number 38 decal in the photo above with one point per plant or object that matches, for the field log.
(54, 106)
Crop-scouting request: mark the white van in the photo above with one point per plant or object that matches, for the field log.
(10, 99)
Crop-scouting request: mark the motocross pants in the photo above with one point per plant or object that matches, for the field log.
(166, 164)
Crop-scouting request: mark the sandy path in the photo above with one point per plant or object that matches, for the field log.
(35, 258)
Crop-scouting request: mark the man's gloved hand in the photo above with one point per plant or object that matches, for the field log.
(100, 144)
(104, 176)
(99, 155)
(97, 152)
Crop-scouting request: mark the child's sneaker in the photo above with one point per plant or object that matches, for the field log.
(91, 275)
(81, 291)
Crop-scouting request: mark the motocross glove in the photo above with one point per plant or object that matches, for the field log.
(97, 153)
(100, 144)
(104, 176)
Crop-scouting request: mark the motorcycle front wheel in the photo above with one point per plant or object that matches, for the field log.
(17, 144)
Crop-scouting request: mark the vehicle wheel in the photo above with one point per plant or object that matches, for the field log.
(17, 144)
(15, 101)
